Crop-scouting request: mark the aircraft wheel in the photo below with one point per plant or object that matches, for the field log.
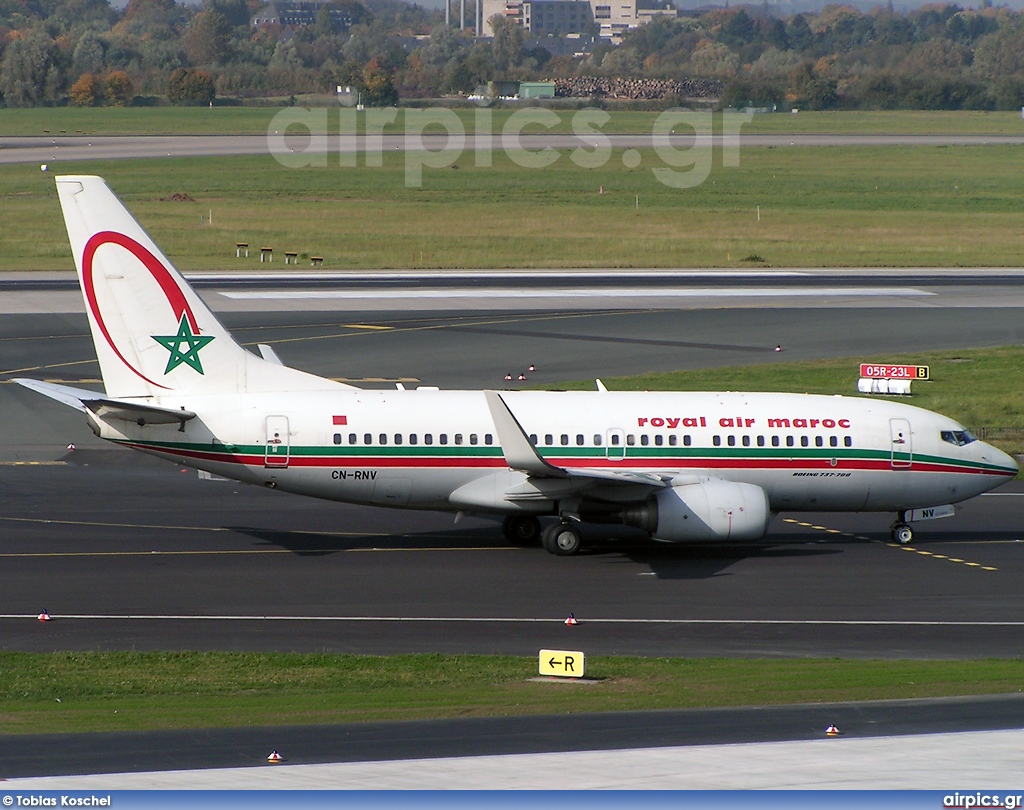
(902, 534)
(521, 530)
(562, 539)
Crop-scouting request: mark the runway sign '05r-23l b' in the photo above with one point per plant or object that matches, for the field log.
(681, 466)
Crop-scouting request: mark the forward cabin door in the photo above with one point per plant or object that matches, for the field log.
(901, 450)
(277, 442)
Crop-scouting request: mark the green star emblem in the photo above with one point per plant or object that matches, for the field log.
(184, 346)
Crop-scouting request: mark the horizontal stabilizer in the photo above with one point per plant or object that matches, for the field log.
(105, 408)
(134, 412)
(65, 394)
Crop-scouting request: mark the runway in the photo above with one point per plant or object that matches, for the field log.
(104, 541)
(477, 291)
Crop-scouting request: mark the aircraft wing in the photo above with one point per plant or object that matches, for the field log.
(83, 399)
(521, 455)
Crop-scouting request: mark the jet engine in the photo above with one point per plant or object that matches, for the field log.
(708, 510)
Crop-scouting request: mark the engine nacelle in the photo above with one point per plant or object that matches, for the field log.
(709, 510)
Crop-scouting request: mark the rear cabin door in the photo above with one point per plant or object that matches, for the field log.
(902, 453)
(277, 442)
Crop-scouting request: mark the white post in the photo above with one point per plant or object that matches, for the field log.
(447, 13)
(462, 15)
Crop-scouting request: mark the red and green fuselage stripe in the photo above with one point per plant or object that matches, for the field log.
(469, 457)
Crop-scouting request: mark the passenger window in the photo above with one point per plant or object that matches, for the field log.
(686, 439)
(732, 441)
(458, 438)
(804, 441)
(473, 438)
(847, 441)
(352, 438)
(789, 441)
(614, 439)
(367, 439)
(746, 441)
(398, 438)
(442, 439)
(659, 440)
(412, 438)
(533, 439)
(760, 441)
(565, 439)
(630, 439)
(383, 438)
(580, 440)
(833, 441)
(716, 441)
(597, 440)
(549, 439)
(775, 441)
(819, 441)
(428, 438)
(645, 440)
(337, 438)
(488, 439)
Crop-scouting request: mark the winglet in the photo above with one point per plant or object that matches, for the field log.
(520, 454)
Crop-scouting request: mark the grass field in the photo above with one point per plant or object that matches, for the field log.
(72, 692)
(255, 120)
(863, 206)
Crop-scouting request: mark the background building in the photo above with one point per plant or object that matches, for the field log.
(610, 18)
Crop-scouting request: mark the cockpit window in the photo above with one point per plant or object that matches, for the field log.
(958, 437)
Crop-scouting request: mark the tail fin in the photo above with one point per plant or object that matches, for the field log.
(153, 334)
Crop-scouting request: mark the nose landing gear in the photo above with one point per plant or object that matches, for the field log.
(902, 533)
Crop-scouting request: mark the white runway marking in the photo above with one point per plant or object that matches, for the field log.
(570, 293)
(511, 620)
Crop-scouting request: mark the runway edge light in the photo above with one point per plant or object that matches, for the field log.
(832, 731)
(275, 757)
(562, 663)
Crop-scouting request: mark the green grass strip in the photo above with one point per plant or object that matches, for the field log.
(891, 206)
(74, 692)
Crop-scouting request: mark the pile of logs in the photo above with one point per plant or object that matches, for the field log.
(636, 89)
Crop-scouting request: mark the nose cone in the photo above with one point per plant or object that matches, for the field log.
(1001, 463)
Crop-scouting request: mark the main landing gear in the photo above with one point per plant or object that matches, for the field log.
(521, 530)
(561, 538)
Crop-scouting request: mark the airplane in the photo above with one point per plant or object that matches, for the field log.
(679, 466)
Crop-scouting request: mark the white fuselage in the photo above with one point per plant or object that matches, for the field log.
(419, 449)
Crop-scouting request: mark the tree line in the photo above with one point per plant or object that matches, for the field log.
(87, 53)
